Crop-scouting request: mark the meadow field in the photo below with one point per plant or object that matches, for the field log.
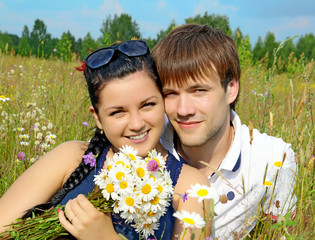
(44, 102)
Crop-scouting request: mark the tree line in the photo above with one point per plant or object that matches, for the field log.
(40, 43)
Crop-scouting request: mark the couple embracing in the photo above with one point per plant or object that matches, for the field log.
(193, 76)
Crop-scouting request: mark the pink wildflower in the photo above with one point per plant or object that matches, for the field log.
(153, 166)
(21, 156)
(89, 159)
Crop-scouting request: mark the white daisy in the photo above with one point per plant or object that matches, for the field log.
(24, 136)
(129, 151)
(4, 98)
(203, 192)
(118, 173)
(129, 203)
(139, 169)
(147, 189)
(190, 220)
(146, 229)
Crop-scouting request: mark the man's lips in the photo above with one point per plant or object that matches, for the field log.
(189, 125)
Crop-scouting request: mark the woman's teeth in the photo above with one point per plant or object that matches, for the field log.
(139, 136)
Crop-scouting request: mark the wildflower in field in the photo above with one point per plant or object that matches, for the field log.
(24, 143)
(4, 98)
(44, 146)
(50, 125)
(278, 164)
(21, 156)
(44, 128)
(39, 135)
(85, 124)
(203, 192)
(267, 183)
(89, 159)
(24, 136)
(190, 220)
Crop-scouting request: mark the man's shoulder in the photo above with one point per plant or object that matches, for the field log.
(265, 148)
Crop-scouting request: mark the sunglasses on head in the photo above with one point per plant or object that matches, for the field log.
(102, 56)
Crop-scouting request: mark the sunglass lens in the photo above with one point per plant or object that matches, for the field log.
(133, 48)
(100, 58)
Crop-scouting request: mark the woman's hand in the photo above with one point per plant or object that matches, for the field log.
(84, 221)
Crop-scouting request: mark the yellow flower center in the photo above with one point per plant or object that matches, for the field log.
(278, 164)
(155, 200)
(129, 201)
(132, 157)
(146, 189)
(267, 183)
(160, 188)
(189, 220)
(120, 175)
(151, 214)
(105, 177)
(3, 97)
(123, 184)
(120, 162)
(110, 188)
(202, 192)
(140, 172)
(109, 167)
(155, 159)
(153, 177)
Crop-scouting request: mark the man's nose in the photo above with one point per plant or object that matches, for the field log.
(185, 105)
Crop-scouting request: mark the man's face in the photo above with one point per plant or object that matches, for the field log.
(200, 110)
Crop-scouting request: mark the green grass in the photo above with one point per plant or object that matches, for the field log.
(51, 91)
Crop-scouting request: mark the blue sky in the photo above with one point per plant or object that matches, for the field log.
(285, 18)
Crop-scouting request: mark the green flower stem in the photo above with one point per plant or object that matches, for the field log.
(47, 225)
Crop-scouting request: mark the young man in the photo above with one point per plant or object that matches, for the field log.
(252, 172)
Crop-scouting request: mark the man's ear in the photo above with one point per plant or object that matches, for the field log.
(232, 90)
(98, 123)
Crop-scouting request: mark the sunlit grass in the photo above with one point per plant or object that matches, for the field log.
(51, 94)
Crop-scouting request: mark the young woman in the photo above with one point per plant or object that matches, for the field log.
(127, 104)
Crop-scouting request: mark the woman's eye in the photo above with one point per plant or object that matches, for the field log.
(149, 104)
(115, 113)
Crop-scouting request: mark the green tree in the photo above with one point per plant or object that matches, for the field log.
(6, 43)
(259, 51)
(25, 32)
(88, 45)
(120, 28)
(270, 45)
(244, 52)
(306, 45)
(237, 36)
(214, 20)
(38, 37)
(64, 48)
(24, 48)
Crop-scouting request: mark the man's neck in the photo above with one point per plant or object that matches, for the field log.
(211, 153)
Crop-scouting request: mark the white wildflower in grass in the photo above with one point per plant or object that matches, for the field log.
(4, 98)
(24, 143)
(141, 196)
(37, 142)
(39, 135)
(267, 182)
(203, 192)
(44, 128)
(278, 164)
(24, 136)
(190, 220)
(50, 125)
(44, 146)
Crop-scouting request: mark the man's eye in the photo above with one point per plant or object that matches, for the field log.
(167, 94)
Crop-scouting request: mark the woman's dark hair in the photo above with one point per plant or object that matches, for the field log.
(119, 67)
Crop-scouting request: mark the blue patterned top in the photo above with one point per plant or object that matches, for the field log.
(166, 222)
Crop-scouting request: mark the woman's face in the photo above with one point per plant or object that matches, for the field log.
(131, 112)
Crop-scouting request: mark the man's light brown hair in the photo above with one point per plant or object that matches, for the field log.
(193, 51)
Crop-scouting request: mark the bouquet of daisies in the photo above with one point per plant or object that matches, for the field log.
(138, 189)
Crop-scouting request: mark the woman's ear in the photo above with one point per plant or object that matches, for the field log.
(98, 122)
(232, 90)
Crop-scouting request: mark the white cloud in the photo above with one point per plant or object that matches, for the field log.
(213, 6)
(161, 5)
(108, 7)
(299, 23)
